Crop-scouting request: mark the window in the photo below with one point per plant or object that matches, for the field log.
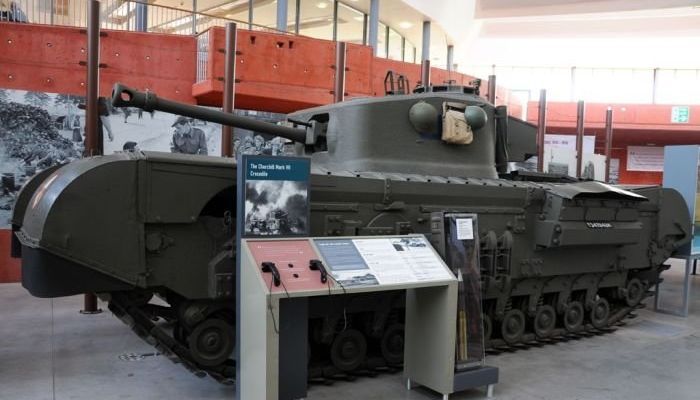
(350, 24)
(316, 19)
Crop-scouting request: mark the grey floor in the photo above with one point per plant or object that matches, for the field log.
(50, 351)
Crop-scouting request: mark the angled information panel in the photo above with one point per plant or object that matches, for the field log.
(381, 261)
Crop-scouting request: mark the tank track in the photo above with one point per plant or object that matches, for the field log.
(141, 320)
(497, 346)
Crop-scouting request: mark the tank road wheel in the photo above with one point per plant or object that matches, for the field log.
(212, 342)
(392, 344)
(573, 316)
(600, 313)
(635, 292)
(348, 350)
(545, 320)
(513, 326)
(488, 327)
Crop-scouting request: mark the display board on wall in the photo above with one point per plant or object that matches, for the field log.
(645, 158)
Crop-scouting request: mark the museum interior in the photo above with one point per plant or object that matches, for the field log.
(343, 199)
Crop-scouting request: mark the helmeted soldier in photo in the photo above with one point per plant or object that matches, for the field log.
(188, 139)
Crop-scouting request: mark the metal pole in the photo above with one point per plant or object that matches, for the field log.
(339, 83)
(450, 57)
(580, 115)
(250, 15)
(425, 74)
(491, 95)
(608, 141)
(426, 41)
(92, 88)
(141, 11)
(335, 20)
(91, 111)
(297, 17)
(229, 88)
(403, 48)
(282, 15)
(194, 17)
(541, 129)
(373, 25)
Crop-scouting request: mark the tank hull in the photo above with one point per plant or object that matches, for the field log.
(163, 226)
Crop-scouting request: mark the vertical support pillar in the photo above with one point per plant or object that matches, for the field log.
(425, 74)
(403, 48)
(339, 82)
(450, 57)
(229, 88)
(426, 41)
(194, 17)
(250, 14)
(91, 111)
(335, 20)
(141, 22)
(297, 16)
(92, 87)
(282, 15)
(386, 42)
(608, 141)
(541, 129)
(374, 25)
(492, 90)
(580, 116)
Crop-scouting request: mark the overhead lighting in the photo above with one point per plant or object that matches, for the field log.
(322, 5)
(405, 24)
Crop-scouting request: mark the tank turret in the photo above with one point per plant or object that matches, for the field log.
(445, 133)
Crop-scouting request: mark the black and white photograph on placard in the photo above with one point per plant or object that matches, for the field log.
(408, 243)
(276, 208)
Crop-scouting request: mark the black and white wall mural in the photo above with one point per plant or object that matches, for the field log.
(38, 130)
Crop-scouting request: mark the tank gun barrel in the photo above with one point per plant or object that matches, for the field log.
(124, 96)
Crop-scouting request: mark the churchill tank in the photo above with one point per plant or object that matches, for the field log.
(557, 256)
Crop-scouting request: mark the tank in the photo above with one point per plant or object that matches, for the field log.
(556, 256)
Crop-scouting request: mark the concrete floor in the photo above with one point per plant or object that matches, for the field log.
(50, 351)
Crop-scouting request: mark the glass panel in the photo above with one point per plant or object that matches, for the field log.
(316, 19)
(350, 24)
(381, 41)
(394, 45)
(676, 86)
(264, 13)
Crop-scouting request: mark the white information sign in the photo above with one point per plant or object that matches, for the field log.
(569, 142)
(645, 158)
(373, 261)
(465, 229)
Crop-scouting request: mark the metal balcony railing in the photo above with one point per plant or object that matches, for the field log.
(126, 15)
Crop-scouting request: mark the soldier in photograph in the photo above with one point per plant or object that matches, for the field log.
(188, 139)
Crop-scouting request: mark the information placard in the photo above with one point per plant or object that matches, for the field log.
(275, 196)
(382, 261)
